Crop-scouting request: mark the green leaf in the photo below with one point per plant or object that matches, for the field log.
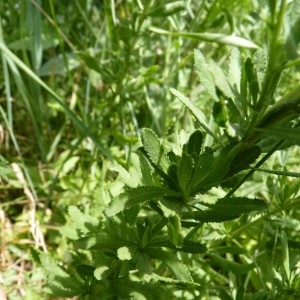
(210, 170)
(205, 76)
(184, 171)
(288, 134)
(208, 216)
(232, 266)
(5, 169)
(196, 112)
(260, 65)
(194, 144)
(238, 205)
(125, 176)
(175, 231)
(192, 247)
(145, 170)
(85, 223)
(209, 37)
(154, 149)
(101, 241)
(234, 70)
(137, 196)
(179, 270)
(243, 160)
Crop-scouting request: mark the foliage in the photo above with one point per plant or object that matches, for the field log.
(123, 186)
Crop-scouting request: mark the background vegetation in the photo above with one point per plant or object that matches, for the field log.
(80, 80)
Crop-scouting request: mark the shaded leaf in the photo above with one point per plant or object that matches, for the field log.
(101, 241)
(184, 171)
(175, 231)
(179, 270)
(137, 196)
(238, 205)
(290, 134)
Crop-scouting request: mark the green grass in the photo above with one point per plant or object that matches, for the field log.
(79, 82)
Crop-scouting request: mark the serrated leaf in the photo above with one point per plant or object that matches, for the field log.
(234, 70)
(238, 205)
(154, 149)
(85, 223)
(205, 76)
(221, 80)
(101, 241)
(184, 171)
(175, 231)
(260, 65)
(243, 160)
(125, 176)
(137, 196)
(147, 178)
(252, 80)
(192, 247)
(208, 216)
(196, 112)
(50, 266)
(209, 173)
(179, 270)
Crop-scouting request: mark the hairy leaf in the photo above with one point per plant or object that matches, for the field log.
(154, 149)
(205, 76)
(234, 70)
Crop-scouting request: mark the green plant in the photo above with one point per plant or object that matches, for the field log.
(208, 210)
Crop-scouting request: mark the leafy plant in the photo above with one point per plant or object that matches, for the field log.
(203, 201)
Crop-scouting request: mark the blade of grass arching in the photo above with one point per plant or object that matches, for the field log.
(29, 105)
(34, 28)
(34, 25)
(209, 37)
(77, 122)
(7, 91)
(196, 112)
